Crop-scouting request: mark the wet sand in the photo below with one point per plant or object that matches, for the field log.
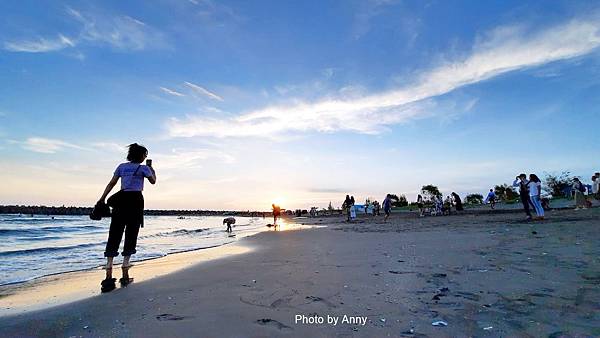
(483, 275)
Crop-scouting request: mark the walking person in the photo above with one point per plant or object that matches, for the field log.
(346, 207)
(535, 194)
(387, 206)
(596, 186)
(420, 205)
(522, 182)
(276, 213)
(127, 212)
(579, 189)
(448, 205)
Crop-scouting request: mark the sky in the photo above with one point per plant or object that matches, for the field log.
(245, 103)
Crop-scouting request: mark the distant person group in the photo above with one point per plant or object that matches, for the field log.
(530, 191)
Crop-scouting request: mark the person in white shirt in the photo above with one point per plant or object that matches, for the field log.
(596, 185)
(127, 211)
(535, 194)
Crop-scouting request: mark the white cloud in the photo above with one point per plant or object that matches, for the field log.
(369, 10)
(110, 146)
(40, 45)
(203, 91)
(190, 158)
(171, 92)
(502, 50)
(121, 32)
(47, 146)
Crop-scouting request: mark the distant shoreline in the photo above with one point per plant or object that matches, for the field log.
(84, 211)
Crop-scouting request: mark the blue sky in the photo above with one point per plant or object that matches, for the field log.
(241, 103)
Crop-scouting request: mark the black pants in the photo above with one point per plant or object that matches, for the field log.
(525, 201)
(127, 217)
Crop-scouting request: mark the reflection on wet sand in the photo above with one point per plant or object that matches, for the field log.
(72, 286)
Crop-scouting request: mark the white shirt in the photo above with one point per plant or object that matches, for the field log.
(129, 182)
(596, 185)
(535, 188)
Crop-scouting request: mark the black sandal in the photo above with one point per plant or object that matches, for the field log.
(125, 281)
(108, 285)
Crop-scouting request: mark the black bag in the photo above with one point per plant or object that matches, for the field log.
(100, 210)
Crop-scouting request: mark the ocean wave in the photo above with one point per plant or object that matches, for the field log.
(180, 232)
(37, 220)
(48, 249)
(47, 229)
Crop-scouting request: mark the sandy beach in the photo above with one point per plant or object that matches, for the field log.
(481, 274)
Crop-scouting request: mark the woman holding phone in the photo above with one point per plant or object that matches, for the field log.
(127, 211)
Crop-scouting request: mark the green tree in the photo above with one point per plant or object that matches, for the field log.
(398, 201)
(555, 184)
(430, 191)
(474, 199)
(505, 192)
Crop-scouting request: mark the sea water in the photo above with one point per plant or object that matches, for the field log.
(35, 246)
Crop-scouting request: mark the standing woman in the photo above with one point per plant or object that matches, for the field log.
(128, 211)
(535, 194)
(457, 202)
(420, 205)
(579, 189)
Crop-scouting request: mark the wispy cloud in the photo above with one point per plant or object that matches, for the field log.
(203, 91)
(47, 146)
(368, 10)
(215, 13)
(40, 45)
(191, 158)
(171, 92)
(503, 50)
(110, 146)
(120, 32)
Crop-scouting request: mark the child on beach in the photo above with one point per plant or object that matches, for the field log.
(535, 193)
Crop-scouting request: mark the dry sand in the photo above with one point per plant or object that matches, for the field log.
(484, 275)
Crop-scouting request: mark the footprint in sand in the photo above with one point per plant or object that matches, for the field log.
(169, 316)
(319, 299)
(273, 323)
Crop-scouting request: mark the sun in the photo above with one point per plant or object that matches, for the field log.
(278, 200)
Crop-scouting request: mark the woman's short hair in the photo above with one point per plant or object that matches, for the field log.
(137, 153)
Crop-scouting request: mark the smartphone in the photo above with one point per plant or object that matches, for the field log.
(149, 162)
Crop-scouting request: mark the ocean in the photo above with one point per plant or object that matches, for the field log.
(36, 246)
